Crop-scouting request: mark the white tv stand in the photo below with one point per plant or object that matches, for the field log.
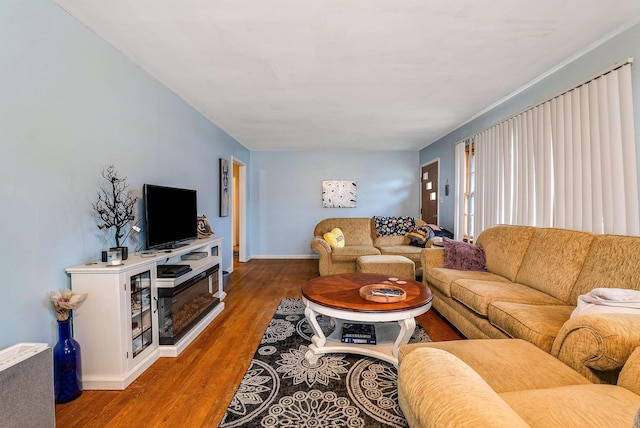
(117, 326)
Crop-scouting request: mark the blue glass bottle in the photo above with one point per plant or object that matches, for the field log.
(66, 365)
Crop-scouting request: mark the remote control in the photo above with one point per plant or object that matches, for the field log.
(386, 292)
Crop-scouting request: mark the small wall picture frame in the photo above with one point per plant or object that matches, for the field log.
(224, 187)
(204, 228)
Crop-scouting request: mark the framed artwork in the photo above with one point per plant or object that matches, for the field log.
(224, 187)
(338, 194)
(204, 228)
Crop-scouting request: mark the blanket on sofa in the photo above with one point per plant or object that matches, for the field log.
(608, 301)
(392, 226)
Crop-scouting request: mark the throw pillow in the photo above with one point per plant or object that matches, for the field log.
(335, 238)
(463, 256)
(420, 236)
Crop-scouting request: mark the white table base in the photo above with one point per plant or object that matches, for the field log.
(393, 329)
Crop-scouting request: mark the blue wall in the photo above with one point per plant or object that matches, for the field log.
(616, 49)
(286, 188)
(71, 105)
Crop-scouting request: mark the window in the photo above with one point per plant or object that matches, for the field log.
(569, 162)
(469, 190)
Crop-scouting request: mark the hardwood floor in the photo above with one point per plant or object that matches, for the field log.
(194, 389)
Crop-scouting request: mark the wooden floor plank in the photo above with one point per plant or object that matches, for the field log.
(195, 388)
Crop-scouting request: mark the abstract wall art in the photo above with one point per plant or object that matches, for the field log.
(224, 187)
(338, 194)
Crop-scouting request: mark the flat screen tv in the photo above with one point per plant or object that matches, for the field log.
(171, 216)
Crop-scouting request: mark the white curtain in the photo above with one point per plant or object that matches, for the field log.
(460, 180)
(569, 162)
(533, 177)
(487, 172)
(593, 131)
(494, 177)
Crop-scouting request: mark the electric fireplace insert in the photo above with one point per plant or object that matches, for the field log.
(182, 306)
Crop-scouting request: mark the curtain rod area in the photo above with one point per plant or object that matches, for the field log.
(615, 66)
(593, 77)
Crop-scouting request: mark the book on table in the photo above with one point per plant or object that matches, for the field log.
(359, 333)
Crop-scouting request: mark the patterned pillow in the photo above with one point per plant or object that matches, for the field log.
(391, 226)
(335, 238)
(463, 256)
(420, 236)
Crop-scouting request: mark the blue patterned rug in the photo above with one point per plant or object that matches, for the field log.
(281, 389)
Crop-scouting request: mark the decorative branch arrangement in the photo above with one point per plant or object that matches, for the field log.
(115, 203)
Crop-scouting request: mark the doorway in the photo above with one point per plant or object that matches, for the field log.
(429, 193)
(239, 210)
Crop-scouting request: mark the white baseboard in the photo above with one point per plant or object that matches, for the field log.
(120, 382)
(285, 256)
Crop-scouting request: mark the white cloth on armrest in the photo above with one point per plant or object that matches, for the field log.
(608, 301)
(618, 295)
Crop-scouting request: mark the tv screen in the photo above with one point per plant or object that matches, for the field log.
(171, 216)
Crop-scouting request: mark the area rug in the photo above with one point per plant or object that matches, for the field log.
(281, 389)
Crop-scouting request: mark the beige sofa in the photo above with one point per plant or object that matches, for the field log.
(534, 278)
(509, 383)
(360, 240)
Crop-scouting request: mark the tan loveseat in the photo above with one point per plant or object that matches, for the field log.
(360, 240)
(534, 278)
(509, 383)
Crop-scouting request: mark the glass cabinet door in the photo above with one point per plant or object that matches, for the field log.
(141, 325)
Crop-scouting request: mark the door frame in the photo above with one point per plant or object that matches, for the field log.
(242, 209)
(436, 160)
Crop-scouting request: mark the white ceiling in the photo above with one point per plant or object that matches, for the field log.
(348, 74)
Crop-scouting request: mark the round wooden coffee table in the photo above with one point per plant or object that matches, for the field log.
(338, 297)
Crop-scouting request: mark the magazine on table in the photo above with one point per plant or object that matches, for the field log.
(359, 333)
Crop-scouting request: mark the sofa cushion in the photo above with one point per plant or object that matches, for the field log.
(505, 247)
(350, 253)
(441, 278)
(390, 241)
(463, 256)
(554, 260)
(478, 295)
(410, 252)
(335, 238)
(502, 363)
(575, 406)
(538, 324)
(612, 261)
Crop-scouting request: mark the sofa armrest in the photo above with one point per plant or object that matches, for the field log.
(432, 257)
(436, 388)
(320, 246)
(600, 342)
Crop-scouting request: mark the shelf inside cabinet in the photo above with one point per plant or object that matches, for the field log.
(140, 297)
